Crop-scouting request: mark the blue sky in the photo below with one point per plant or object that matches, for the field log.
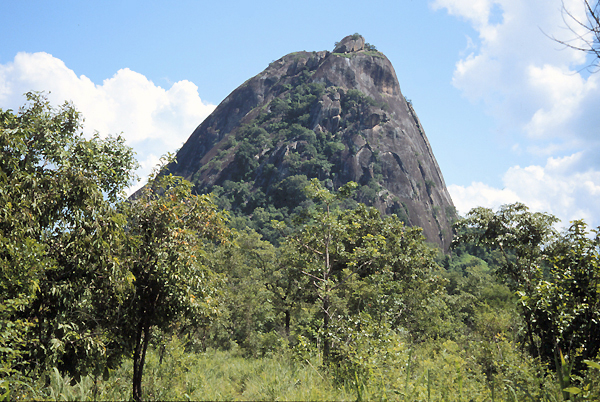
(510, 114)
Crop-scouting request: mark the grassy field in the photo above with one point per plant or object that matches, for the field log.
(429, 372)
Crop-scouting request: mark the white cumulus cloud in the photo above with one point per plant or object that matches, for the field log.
(479, 194)
(530, 83)
(152, 119)
(561, 187)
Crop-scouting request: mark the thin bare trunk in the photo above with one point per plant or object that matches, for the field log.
(139, 358)
(326, 340)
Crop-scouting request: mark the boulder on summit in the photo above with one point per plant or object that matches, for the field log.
(351, 43)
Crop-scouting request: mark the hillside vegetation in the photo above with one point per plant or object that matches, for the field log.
(168, 297)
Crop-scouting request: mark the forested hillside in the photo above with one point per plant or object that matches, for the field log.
(165, 297)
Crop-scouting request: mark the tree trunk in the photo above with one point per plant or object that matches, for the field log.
(287, 322)
(137, 378)
(326, 327)
(326, 294)
(139, 358)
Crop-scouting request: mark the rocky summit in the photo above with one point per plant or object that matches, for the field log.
(337, 116)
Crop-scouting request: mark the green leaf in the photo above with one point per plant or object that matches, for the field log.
(592, 364)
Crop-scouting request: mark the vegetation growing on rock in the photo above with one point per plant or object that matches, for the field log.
(312, 115)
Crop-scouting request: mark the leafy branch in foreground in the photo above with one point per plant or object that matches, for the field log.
(59, 239)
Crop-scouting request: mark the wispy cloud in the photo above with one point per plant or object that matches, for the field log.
(153, 120)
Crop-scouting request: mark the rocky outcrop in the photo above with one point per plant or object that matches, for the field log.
(352, 43)
(336, 116)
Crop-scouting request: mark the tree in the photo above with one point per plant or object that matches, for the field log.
(338, 248)
(556, 277)
(522, 238)
(166, 228)
(287, 284)
(317, 244)
(566, 304)
(586, 32)
(85, 274)
(245, 265)
(59, 234)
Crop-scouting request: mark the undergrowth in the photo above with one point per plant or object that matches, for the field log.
(430, 371)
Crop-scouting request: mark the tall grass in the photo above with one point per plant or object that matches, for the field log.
(171, 373)
(434, 371)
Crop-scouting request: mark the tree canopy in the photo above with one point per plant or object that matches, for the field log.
(84, 273)
(58, 232)
(166, 228)
(556, 276)
(360, 262)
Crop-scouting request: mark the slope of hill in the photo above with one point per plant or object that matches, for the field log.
(337, 116)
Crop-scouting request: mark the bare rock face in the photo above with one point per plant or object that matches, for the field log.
(351, 43)
(336, 116)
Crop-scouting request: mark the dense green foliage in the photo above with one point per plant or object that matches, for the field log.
(85, 274)
(58, 233)
(162, 297)
(273, 157)
(557, 279)
(165, 228)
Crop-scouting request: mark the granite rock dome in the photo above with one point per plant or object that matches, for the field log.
(338, 116)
